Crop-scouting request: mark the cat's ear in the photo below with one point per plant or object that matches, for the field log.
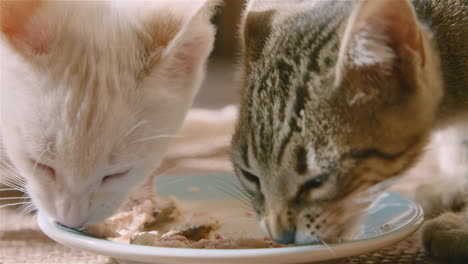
(256, 26)
(184, 37)
(383, 41)
(20, 26)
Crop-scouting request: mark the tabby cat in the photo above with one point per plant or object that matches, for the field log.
(338, 98)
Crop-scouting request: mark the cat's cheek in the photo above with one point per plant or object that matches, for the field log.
(104, 205)
(304, 237)
(42, 202)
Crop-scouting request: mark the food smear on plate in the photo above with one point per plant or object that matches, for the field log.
(168, 222)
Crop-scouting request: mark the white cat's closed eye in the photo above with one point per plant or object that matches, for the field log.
(45, 168)
(114, 176)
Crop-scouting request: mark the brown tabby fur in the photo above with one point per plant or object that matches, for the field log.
(340, 97)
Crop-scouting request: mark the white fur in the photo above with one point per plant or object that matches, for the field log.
(82, 108)
(369, 48)
(452, 143)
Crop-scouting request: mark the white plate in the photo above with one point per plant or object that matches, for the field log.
(389, 219)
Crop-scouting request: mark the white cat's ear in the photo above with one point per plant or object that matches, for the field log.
(380, 34)
(20, 26)
(185, 36)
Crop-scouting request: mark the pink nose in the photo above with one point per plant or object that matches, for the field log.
(72, 211)
(72, 222)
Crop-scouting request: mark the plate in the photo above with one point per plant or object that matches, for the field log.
(389, 219)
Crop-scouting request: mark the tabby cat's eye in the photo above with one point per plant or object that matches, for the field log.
(251, 177)
(311, 184)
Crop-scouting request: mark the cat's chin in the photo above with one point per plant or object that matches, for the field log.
(305, 238)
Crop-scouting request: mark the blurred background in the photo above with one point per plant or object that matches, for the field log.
(220, 87)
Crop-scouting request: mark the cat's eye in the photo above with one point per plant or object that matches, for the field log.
(114, 176)
(251, 178)
(312, 184)
(45, 168)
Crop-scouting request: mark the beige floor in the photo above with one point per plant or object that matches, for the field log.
(220, 87)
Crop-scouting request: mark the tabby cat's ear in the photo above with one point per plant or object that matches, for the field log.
(184, 37)
(22, 28)
(382, 40)
(256, 26)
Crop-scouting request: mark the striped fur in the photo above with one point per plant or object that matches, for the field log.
(338, 98)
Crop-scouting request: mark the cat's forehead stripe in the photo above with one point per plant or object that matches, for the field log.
(280, 84)
(302, 91)
(301, 160)
(245, 154)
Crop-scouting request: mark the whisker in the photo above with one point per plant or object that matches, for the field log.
(30, 210)
(243, 204)
(155, 137)
(14, 189)
(12, 181)
(231, 190)
(13, 204)
(328, 247)
(175, 181)
(242, 191)
(13, 198)
(26, 209)
(10, 170)
(38, 159)
(168, 171)
(15, 180)
(234, 187)
(7, 166)
(7, 190)
(133, 129)
(239, 197)
(14, 186)
(49, 150)
(236, 196)
(11, 178)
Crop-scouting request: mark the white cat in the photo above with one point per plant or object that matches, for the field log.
(91, 93)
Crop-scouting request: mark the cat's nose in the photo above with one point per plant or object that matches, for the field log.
(72, 211)
(283, 234)
(284, 237)
(72, 222)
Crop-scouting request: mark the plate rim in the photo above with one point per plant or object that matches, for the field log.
(130, 252)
